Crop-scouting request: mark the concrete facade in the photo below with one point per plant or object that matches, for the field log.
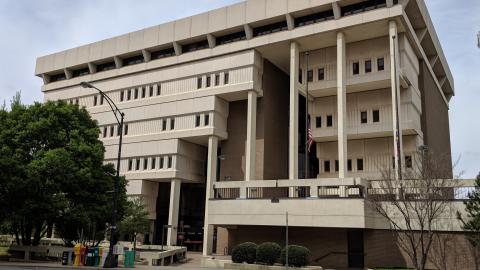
(219, 100)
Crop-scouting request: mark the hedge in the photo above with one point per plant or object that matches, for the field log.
(268, 253)
(297, 256)
(245, 252)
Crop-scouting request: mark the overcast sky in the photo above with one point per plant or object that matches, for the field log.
(32, 28)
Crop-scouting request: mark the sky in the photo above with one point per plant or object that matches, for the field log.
(32, 28)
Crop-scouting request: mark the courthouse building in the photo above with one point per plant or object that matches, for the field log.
(215, 119)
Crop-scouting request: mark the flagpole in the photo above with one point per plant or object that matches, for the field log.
(306, 117)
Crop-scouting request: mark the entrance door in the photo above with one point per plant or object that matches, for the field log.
(355, 248)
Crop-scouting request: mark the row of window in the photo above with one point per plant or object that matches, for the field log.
(375, 118)
(208, 80)
(151, 163)
(360, 165)
(109, 131)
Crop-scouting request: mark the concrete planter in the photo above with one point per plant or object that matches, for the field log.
(246, 266)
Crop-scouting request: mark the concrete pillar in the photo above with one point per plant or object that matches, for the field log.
(251, 136)
(395, 89)
(293, 118)
(342, 105)
(173, 211)
(211, 178)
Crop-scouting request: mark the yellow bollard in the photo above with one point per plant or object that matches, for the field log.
(76, 250)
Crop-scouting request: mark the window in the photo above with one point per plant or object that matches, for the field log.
(76, 101)
(360, 164)
(159, 89)
(217, 79)
(162, 53)
(135, 95)
(95, 101)
(101, 100)
(393, 162)
(363, 117)
(126, 130)
(154, 162)
(381, 64)
(207, 119)
(314, 18)
(326, 166)
(300, 76)
(104, 132)
(58, 77)
(105, 66)
(150, 91)
(368, 66)
(408, 161)
(80, 72)
(121, 95)
(336, 165)
(145, 163)
(112, 131)
(199, 82)
(310, 75)
(226, 78)
(130, 164)
(329, 121)
(356, 68)
(197, 120)
(270, 28)
(172, 123)
(169, 164)
(321, 74)
(143, 92)
(362, 7)
(209, 81)
(229, 38)
(318, 121)
(133, 60)
(129, 94)
(376, 116)
(161, 163)
(137, 164)
(202, 44)
(118, 131)
(164, 124)
(349, 165)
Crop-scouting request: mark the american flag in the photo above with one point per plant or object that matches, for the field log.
(309, 134)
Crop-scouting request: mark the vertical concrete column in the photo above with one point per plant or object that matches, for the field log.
(173, 211)
(293, 118)
(251, 136)
(341, 104)
(211, 178)
(395, 89)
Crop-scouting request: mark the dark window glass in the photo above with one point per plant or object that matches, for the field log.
(318, 121)
(150, 90)
(169, 164)
(126, 130)
(326, 165)
(80, 72)
(217, 79)
(105, 66)
(145, 163)
(408, 161)
(270, 28)
(118, 131)
(329, 121)
(226, 78)
(104, 132)
(58, 77)
(336, 165)
(137, 164)
(135, 95)
(76, 101)
(360, 164)
(356, 68)
(112, 131)
(363, 117)
(199, 82)
(172, 124)
(129, 94)
(381, 64)
(164, 124)
(121, 95)
(376, 116)
(101, 100)
(300, 76)
(368, 66)
(161, 163)
(230, 38)
(162, 53)
(349, 165)
(137, 59)
(393, 162)
(154, 163)
(203, 44)
(314, 18)
(143, 92)
(95, 101)
(209, 81)
(310, 75)
(362, 7)
(207, 119)
(130, 164)
(159, 89)
(321, 74)
(197, 120)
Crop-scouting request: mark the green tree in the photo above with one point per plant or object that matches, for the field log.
(471, 223)
(135, 220)
(52, 172)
